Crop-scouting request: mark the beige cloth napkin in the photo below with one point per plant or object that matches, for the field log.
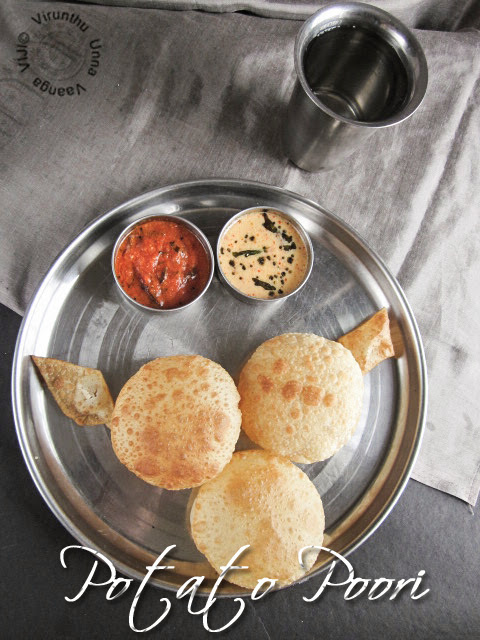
(99, 104)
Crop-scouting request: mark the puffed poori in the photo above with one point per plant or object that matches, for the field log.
(301, 396)
(176, 421)
(267, 502)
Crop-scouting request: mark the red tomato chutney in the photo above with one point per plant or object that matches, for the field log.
(162, 264)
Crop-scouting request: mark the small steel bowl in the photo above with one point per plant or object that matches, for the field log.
(303, 236)
(193, 229)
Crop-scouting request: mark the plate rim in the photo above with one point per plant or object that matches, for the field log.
(234, 184)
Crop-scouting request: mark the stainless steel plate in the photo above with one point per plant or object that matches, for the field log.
(78, 315)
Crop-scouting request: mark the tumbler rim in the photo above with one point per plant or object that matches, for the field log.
(383, 22)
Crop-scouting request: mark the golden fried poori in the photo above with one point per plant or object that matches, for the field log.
(176, 421)
(301, 396)
(267, 502)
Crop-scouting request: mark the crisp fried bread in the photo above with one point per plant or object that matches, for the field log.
(301, 396)
(176, 421)
(80, 392)
(370, 342)
(267, 502)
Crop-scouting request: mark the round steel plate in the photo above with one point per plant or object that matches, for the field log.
(78, 315)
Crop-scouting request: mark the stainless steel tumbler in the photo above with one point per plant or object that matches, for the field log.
(358, 69)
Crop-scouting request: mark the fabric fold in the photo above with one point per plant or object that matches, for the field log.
(423, 14)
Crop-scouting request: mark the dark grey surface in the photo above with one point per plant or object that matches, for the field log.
(427, 530)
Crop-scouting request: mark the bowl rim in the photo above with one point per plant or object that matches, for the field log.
(182, 221)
